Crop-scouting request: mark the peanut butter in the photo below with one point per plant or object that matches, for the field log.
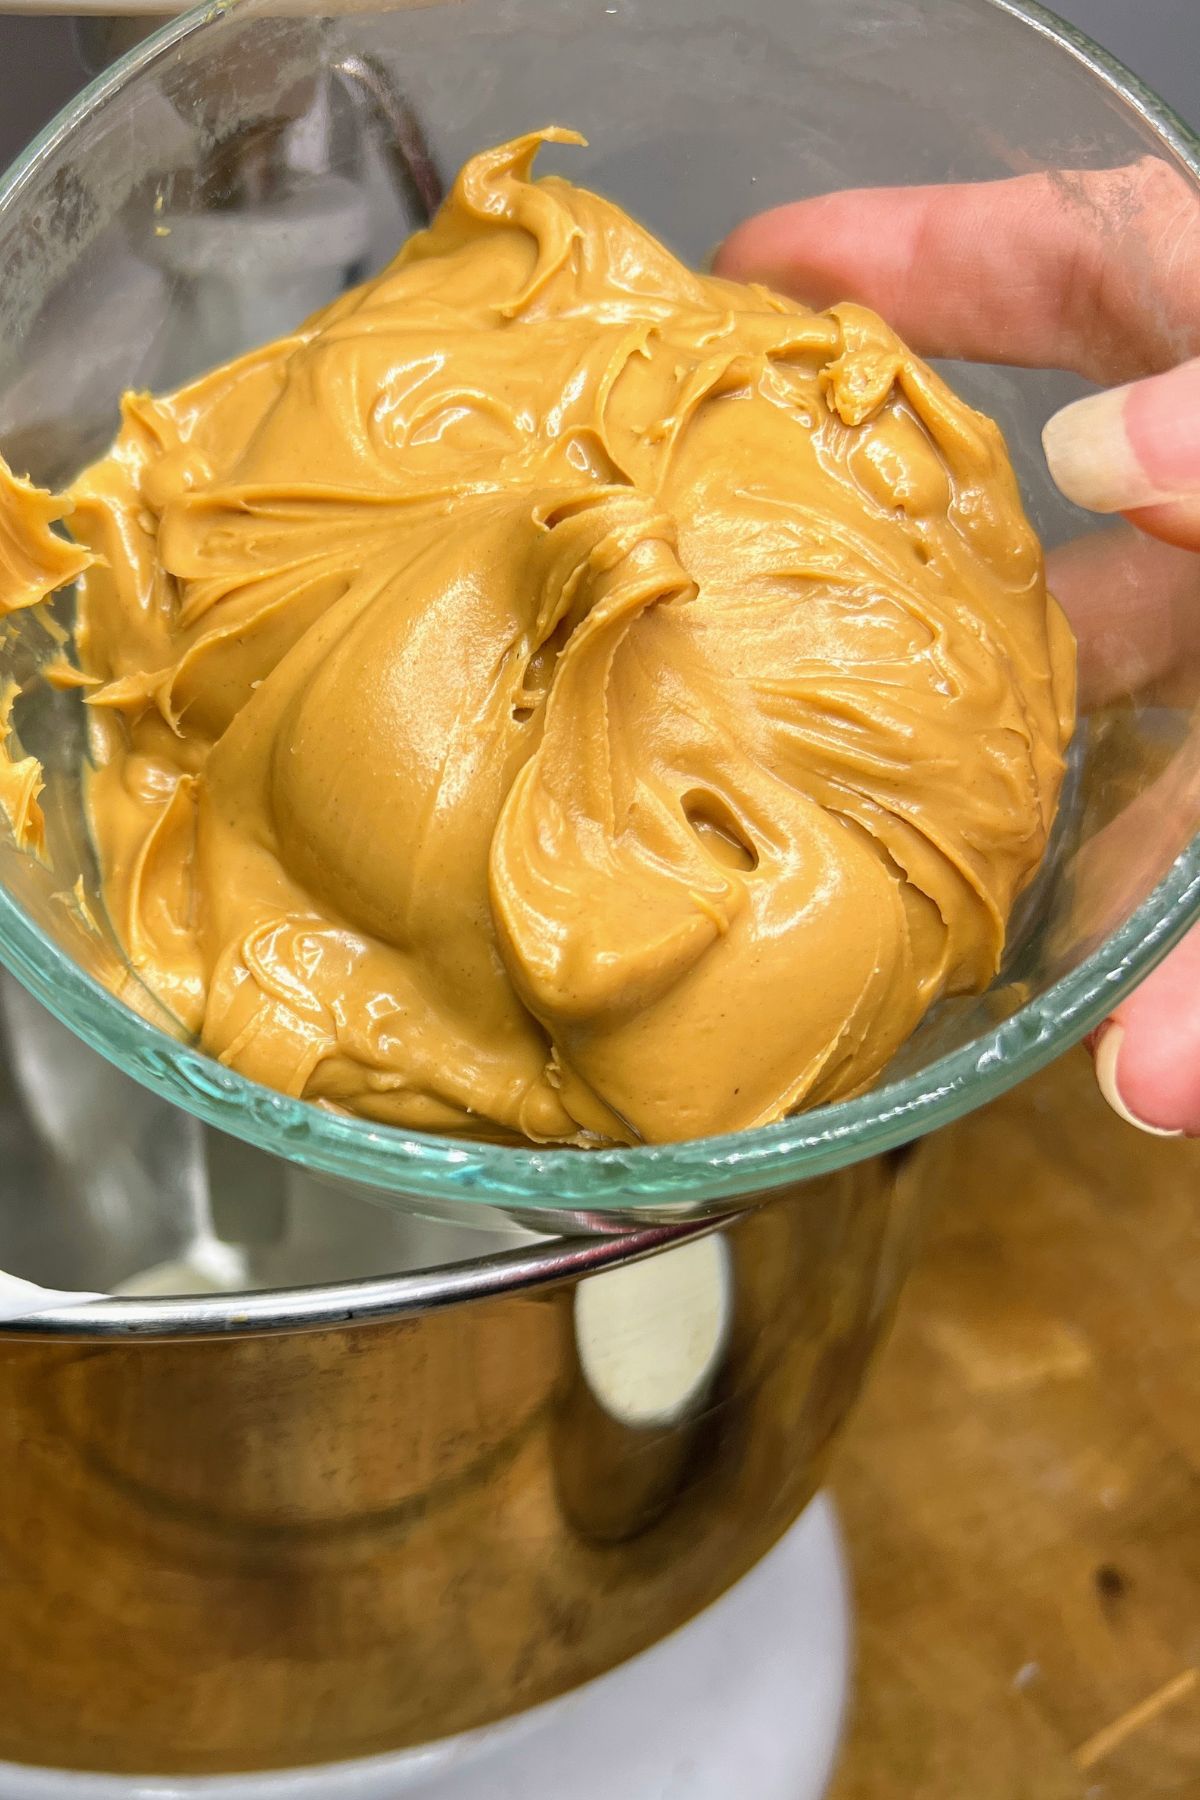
(557, 695)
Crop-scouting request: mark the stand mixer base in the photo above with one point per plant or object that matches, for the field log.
(746, 1699)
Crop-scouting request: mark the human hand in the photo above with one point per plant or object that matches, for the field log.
(1096, 272)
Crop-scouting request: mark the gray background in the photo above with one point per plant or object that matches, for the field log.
(40, 65)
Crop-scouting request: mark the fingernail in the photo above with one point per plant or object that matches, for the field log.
(1108, 1050)
(1131, 446)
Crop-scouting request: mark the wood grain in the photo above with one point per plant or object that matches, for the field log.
(1021, 1487)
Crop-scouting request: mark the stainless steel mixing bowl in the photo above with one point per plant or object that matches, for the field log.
(299, 1525)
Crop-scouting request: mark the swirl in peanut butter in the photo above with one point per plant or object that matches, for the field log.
(557, 695)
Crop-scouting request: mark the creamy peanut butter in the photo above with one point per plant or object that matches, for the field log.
(557, 694)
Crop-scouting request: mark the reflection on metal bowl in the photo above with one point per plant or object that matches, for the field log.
(247, 1550)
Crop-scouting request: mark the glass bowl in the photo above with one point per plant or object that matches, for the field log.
(153, 228)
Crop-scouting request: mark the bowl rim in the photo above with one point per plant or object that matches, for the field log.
(369, 1300)
(621, 1185)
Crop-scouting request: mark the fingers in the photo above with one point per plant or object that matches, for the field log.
(1095, 270)
(1148, 1055)
(1135, 450)
(1134, 606)
(1148, 1052)
(1175, 522)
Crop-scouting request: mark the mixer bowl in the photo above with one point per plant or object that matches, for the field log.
(386, 1435)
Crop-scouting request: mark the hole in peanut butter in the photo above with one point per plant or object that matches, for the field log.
(719, 831)
(569, 506)
(923, 553)
(539, 671)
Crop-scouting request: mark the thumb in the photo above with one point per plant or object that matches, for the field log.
(1148, 1053)
(1135, 450)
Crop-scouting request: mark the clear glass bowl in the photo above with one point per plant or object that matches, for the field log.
(153, 228)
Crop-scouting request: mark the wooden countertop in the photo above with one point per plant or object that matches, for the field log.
(1020, 1489)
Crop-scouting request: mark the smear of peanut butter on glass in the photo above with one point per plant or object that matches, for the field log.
(557, 695)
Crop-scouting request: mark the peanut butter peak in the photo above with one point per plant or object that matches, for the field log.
(558, 695)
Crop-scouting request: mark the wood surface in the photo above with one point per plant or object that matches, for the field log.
(1020, 1489)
